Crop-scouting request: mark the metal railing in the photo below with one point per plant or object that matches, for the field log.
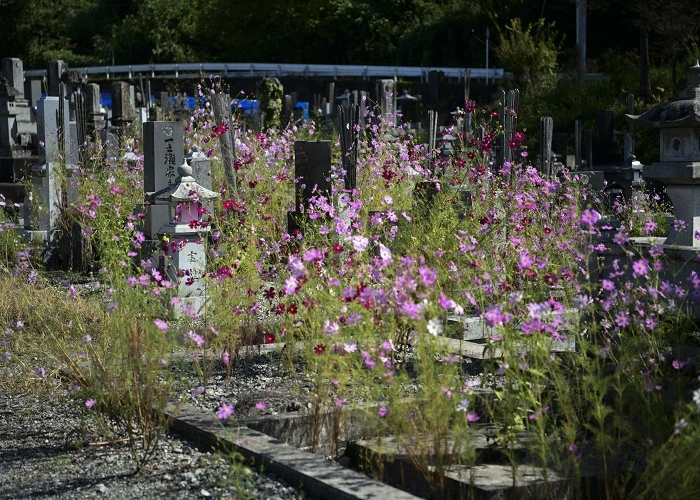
(251, 70)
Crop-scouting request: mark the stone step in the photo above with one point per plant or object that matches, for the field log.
(316, 476)
(491, 477)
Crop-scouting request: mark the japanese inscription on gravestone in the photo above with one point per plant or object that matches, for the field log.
(163, 152)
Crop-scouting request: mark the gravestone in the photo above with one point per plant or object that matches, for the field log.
(407, 107)
(53, 77)
(53, 117)
(95, 121)
(12, 70)
(147, 97)
(312, 169)
(165, 111)
(386, 92)
(629, 136)
(435, 80)
(32, 92)
(163, 152)
(73, 82)
(590, 180)
(122, 110)
(18, 130)
(43, 211)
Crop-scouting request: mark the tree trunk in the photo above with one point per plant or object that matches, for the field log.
(644, 80)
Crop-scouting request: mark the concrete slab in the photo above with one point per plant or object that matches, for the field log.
(316, 476)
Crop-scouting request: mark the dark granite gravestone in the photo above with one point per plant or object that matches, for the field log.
(163, 150)
(312, 171)
(53, 76)
(32, 91)
(163, 153)
(435, 79)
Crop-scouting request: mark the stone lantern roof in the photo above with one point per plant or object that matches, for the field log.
(185, 189)
(683, 112)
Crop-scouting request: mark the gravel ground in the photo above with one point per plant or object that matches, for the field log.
(259, 378)
(39, 458)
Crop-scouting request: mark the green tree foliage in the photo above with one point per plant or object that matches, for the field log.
(530, 54)
(401, 32)
(41, 30)
(159, 31)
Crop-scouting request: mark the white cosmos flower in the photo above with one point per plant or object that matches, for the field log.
(434, 327)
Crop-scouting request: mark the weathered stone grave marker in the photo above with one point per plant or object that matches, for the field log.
(18, 129)
(43, 210)
(122, 110)
(386, 91)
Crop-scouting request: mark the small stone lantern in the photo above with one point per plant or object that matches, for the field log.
(679, 165)
(185, 255)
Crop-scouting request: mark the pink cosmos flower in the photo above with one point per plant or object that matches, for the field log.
(224, 411)
(160, 324)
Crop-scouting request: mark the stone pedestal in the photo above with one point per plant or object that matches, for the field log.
(683, 187)
(185, 265)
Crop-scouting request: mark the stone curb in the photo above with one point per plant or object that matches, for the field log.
(318, 477)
